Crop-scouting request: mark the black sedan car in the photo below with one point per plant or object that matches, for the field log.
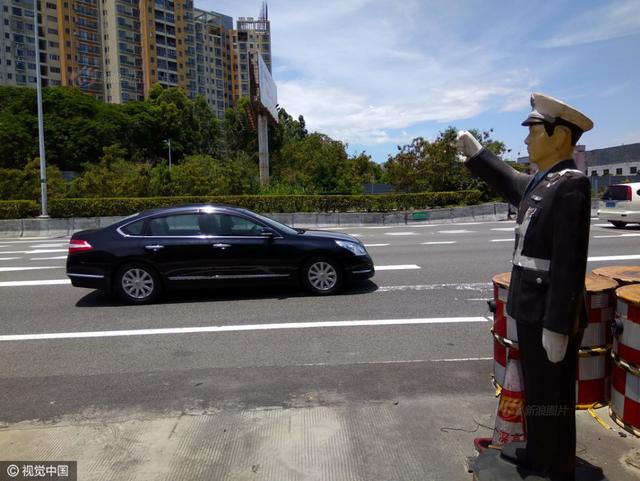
(195, 245)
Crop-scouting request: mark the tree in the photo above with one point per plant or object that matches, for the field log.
(433, 166)
(24, 184)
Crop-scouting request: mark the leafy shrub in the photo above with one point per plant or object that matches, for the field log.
(18, 209)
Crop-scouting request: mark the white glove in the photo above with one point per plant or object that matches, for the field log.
(467, 144)
(555, 344)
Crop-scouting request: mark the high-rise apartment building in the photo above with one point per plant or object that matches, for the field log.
(116, 50)
(78, 32)
(251, 38)
(20, 42)
(211, 61)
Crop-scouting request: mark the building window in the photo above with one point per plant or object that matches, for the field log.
(594, 173)
(619, 171)
(633, 170)
(605, 172)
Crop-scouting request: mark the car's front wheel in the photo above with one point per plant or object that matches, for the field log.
(137, 284)
(322, 276)
(618, 224)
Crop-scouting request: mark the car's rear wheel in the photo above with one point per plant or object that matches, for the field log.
(618, 224)
(137, 284)
(322, 276)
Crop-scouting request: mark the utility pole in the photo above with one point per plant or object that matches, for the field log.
(43, 164)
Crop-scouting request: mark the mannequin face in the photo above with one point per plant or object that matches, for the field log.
(539, 144)
(545, 151)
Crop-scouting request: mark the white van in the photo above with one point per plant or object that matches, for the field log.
(620, 204)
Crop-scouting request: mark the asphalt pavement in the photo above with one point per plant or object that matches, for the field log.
(388, 380)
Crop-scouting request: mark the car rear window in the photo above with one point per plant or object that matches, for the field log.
(616, 192)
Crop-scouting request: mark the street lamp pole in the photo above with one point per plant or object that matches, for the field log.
(43, 164)
(169, 144)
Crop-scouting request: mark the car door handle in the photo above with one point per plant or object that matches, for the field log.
(221, 246)
(155, 247)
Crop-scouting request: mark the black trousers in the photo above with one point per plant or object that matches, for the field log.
(550, 399)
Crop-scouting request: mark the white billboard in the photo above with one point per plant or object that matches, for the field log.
(268, 91)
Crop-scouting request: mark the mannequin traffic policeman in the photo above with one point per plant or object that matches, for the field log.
(546, 293)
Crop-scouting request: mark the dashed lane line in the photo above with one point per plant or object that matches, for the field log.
(35, 251)
(504, 229)
(397, 267)
(14, 269)
(612, 236)
(48, 282)
(46, 258)
(460, 231)
(435, 243)
(376, 245)
(614, 258)
(238, 328)
(400, 233)
(502, 240)
(8, 258)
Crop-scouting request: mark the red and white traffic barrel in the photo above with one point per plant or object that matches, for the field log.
(623, 275)
(593, 365)
(625, 382)
(504, 332)
(510, 426)
(594, 361)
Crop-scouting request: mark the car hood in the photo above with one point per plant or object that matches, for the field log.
(330, 235)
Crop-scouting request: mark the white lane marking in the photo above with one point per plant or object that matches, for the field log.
(47, 258)
(614, 258)
(236, 328)
(355, 235)
(12, 269)
(47, 246)
(400, 233)
(376, 245)
(471, 286)
(611, 236)
(36, 251)
(438, 243)
(461, 231)
(412, 225)
(397, 268)
(601, 225)
(504, 229)
(8, 258)
(27, 240)
(407, 361)
(502, 240)
(51, 282)
(460, 359)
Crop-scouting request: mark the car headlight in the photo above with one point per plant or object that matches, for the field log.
(356, 249)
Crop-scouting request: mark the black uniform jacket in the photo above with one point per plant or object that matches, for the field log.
(552, 238)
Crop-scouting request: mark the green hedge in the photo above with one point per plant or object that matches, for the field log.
(18, 209)
(99, 207)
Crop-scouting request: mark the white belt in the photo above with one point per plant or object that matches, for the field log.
(531, 262)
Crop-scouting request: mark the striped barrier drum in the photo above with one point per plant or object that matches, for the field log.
(593, 369)
(625, 382)
(623, 275)
(594, 362)
(504, 327)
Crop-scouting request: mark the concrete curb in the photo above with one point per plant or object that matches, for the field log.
(482, 212)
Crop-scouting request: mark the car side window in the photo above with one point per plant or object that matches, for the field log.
(135, 228)
(232, 225)
(181, 225)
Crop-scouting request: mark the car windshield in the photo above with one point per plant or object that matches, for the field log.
(276, 225)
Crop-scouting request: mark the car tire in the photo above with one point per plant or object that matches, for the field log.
(322, 276)
(137, 284)
(618, 224)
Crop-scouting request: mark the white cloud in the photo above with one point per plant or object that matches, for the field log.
(611, 20)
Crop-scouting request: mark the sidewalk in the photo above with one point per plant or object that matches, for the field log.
(417, 439)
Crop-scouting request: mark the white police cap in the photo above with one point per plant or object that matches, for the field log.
(549, 110)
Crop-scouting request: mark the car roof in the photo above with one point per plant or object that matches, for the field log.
(188, 207)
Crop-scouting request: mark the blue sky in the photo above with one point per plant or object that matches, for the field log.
(378, 73)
